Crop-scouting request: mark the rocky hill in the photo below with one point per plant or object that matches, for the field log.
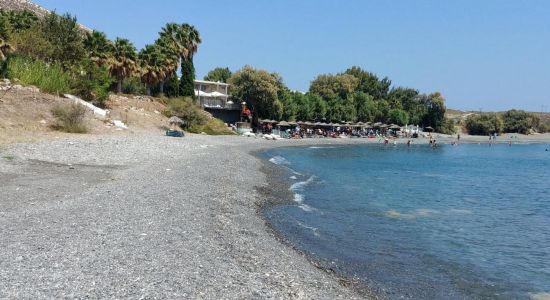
(23, 5)
(29, 5)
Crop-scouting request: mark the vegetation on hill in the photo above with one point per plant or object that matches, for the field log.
(512, 121)
(87, 62)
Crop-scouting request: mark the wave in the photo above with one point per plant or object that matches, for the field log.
(279, 160)
(300, 186)
(315, 230)
(293, 177)
(322, 147)
(460, 211)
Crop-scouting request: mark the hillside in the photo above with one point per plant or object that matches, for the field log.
(30, 6)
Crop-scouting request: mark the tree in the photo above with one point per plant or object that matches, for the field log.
(366, 107)
(151, 63)
(435, 114)
(519, 121)
(19, 20)
(66, 38)
(170, 66)
(218, 74)
(398, 116)
(317, 107)
(99, 49)
(369, 83)
(330, 86)
(124, 61)
(191, 43)
(484, 124)
(258, 88)
(33, 43)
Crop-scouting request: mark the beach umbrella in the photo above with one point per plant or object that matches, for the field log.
(377, 124)
(383, 126)
(395, 126)
(284, 123)
(175, 121)
(317, 124)
(429, 129)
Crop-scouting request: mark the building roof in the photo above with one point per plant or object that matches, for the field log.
(211, 82)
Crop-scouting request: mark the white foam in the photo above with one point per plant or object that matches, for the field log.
(293, 177)
(426, 212)
(314, 229)
(299, 186)
(298, 198)
(322, 147)
(460, 211)
(279, 160)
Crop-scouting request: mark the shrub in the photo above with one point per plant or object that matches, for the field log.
(48, 77)
(212, 127)
(519, 121)
(187, 110)
(70, 118)
(133, 86)
(92, 83)
(484, 124)
(448, 126)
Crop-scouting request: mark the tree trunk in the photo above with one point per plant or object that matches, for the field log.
(119, 86)
(161, 87)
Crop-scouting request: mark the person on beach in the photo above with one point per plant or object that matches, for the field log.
(408, 143)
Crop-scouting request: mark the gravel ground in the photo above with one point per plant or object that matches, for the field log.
(145, 216)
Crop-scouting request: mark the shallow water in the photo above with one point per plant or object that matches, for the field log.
(457, 222)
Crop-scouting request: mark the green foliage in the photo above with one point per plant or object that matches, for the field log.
(50, 78)
(331, 86)
(398, 116)
(98, 48)
(519, 121)
(212, 127)
(70, 118)
(484, 124)
(448, 126)
(92, 83)
(187, 80)
(369, 83)
(133, 86)
(124, 61)
(218, 74)
(186, 109)
(65, 37)
(17, 20)
(258, 88)
(33, 43)
(172, 86)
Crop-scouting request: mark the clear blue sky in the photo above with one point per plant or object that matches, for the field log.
(489, 54)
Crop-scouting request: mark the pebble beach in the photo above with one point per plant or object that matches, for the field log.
(148, 216)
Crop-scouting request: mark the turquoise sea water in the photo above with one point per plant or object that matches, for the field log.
(457, 222)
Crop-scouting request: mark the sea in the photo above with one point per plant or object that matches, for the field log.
(468, 221)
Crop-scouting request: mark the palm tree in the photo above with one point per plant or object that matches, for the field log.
(151, 63)
(5, 49)
(123, 62)
(99, 48)
(170, 62)
(174, 37)
(192, 39)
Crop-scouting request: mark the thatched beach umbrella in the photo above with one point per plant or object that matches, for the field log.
(429, 129)
(394, 126)
(284, 123)
(377, 124)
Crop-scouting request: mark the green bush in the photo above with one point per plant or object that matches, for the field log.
(48, 77)
(70, 118)
(212, 127)
(133, 86)
(186, 109)
(519, 121)
(448, 126)
(484, 124)
(92, 83)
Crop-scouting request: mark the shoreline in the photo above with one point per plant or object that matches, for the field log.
(88, 216)
(184, 213)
